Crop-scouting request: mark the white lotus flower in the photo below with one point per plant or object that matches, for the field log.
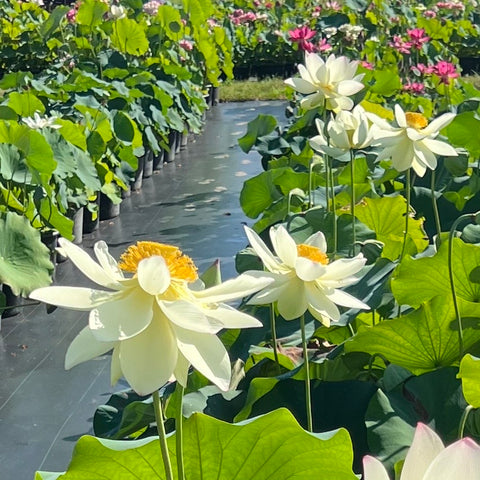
(117, 12)
(428, 459)
(37, 122)
(412, 144)
(328, 82)
(303, 278)
(347, 131)
(156, 325)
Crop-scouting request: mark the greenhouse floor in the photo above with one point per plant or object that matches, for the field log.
(193, 203)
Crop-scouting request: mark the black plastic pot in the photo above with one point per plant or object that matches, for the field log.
(148, 164)
(158, 160)
(136, 185)
(215, 95)
(12, 302)
(172, 145)
(108, 209)
(184, 140)
(77, 218)
(50, 239)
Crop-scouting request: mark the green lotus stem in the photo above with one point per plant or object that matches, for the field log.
(352, 203)
(407, 214)
(463, 421)
(452, 282)
(327, 182)
(274, 332)
(308, 399)
(179, 433)
(335, 232)
(162, 436)
(435, 208)
(310, 181)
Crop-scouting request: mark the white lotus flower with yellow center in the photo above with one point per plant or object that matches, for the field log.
(346, 132)
(303, 277)
(428, 459)
(327, 83)
(156, 325)
(412, 144)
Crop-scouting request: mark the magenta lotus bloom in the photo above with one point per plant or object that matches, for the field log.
(446, 71)
(414, 87)
(417, 37)
(301, 36)
(186, 45)
(428, 459)
(400, 44)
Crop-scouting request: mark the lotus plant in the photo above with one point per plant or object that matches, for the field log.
(428, 459)
(327, 83)
(154, 322)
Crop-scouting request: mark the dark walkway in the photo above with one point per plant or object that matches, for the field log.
(192, 203)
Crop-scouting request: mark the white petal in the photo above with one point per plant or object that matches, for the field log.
(349, 87)
(189, 316)
(271, 293)
(344, 268)
(425, 156)
(400, 117)
(268, 259)
(233, 289)
(115, 367)
(301, 85)
(313, 101)
(339, 297)
(321, 305)
(373, 469)
(230, 317)
(308, 270)
(85, 263)
(149, 359)
(207, 354)
(426, 445)
(314, 64)
(439, 147)
(107, 262)
(85, 347)
(292, 302)
(122, 318)
(284, 245)
(459, 461)
(181, 370)
(439, 123)
(153, 275)
(75, 298)
(317, 240)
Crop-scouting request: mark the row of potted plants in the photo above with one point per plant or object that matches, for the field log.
(87, 93)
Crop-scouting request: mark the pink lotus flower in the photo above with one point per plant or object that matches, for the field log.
(422, 69)
(367, 65)
(301, 36)
(400, 45)
(445, 70)
(324, 46)
(151, 8)
(429, 14)
(186, 45)
(72, 15)
(414, 87)
(335, 6)
(417, 37)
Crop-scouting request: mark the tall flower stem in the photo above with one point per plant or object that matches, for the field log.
(463, 421)
(407, 213)
(310, 182)
(274, 332)
(308, 398)
(162, 436)
(452, 282)
(179, 432)
(332, 188)
(352, 203)
(435, 208)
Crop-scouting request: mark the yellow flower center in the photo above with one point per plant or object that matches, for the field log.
(312, 253)
(180, 266)
(416, 120)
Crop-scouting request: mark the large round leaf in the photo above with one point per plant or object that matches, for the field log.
(271, 446)
(24, 260)
(129, 37)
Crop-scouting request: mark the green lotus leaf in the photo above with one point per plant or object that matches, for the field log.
(422, 340)
(470, 375)
(386, 217)
(24, 260)
(129, 37)
(416, 281)
(90, 13)
(25, 104)
(270, 446)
